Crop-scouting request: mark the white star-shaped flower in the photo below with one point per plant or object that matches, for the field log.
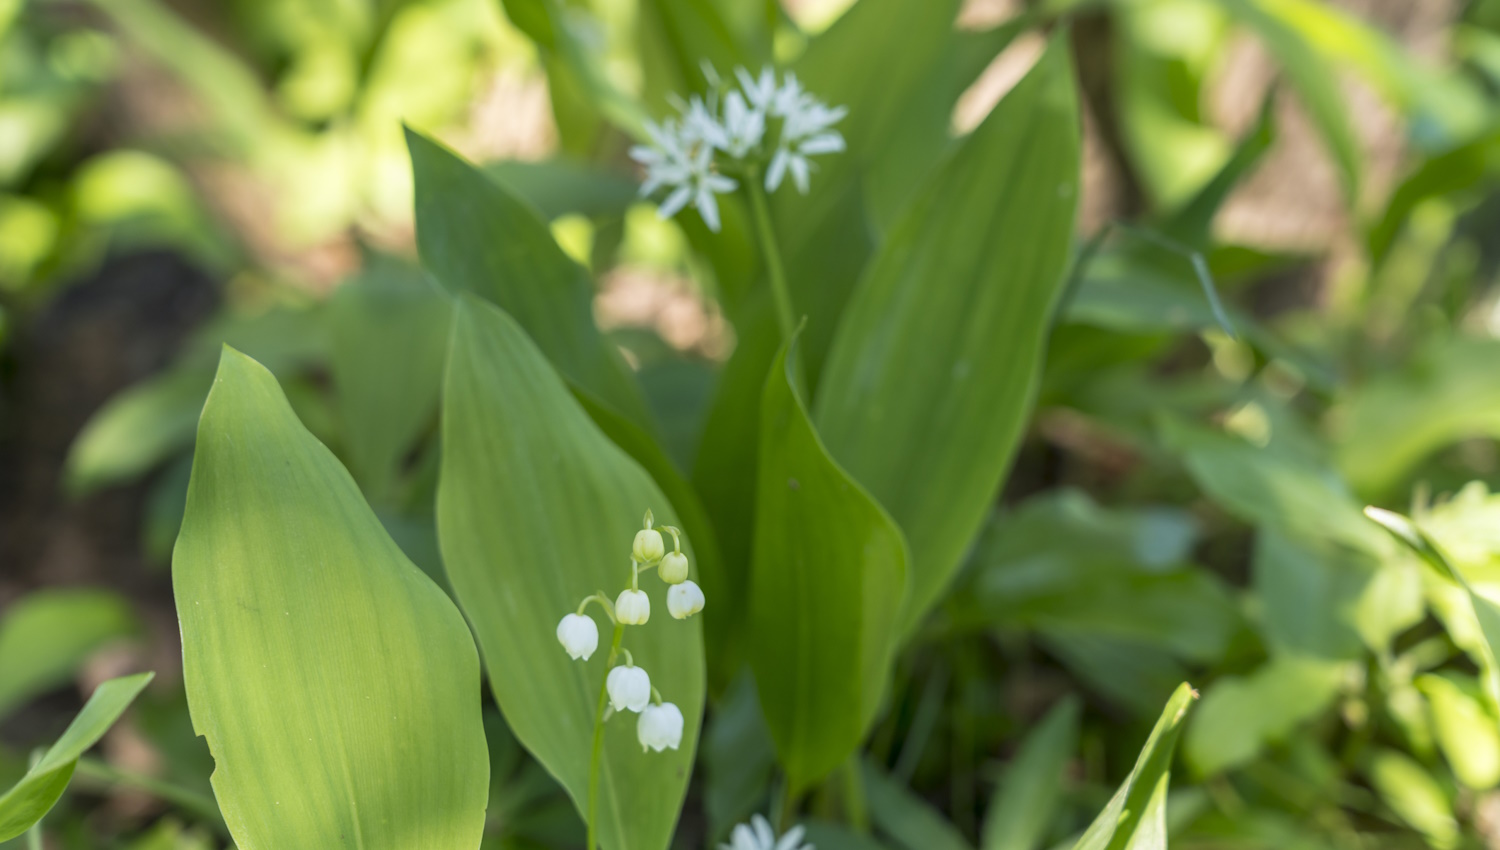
(757, 835)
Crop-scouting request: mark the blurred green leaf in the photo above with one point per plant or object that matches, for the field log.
(830, 568)
(1021, 812)
(536, 510)
(937, 358)
(677, 38)
(37, 792)
(1415, 796)
(1136, 816)
(831, 836)
(559, 186)
(46, 635)
(738, 759)
(909, 820)
(137, 430)
(389, 329)
(1389, 425)
(1241, 715)
(336, 685)
(1465, 729)
(475, 236)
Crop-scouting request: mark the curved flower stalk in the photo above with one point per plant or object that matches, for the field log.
(627, 687)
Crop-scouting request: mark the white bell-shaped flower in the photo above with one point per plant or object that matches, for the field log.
(633, 607)
(648, 546)
(684, 600)
(579, 636)
(660, 727)
(674, 568)
(629, 688)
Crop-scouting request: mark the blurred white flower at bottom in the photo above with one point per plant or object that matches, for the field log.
(757, 835)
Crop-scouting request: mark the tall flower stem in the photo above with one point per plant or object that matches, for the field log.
(761, 212)
(598, 753)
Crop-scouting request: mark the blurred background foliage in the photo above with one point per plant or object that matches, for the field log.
(1186, 502)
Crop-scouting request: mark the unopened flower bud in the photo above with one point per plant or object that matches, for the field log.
(648, 546)
(578, 635)
(684, 600)
(674, 568)
(660, 727)
(633, 607)
(629, 688)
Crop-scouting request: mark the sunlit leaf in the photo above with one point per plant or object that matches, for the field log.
(1415, 796)
(536, 510)
(36, 793)
(938, 355)
(1240, 716)
(825, 592)
(336, 685)
(1465, 728)
(1136, 816)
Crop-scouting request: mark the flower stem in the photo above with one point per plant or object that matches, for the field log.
(598, 753)
(761, 211)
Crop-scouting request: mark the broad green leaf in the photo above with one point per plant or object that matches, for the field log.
(1136, 816)
(1389, 425)
(1242, 715)
(907, 819)
(337, 686)
(937, 357)
(825, 589)
(559, 186)
(47, 634)
(390, 333)
(1021, 812)
(475, 236)
(1416, 797)
(1466, 729)
(536, 510)
(137, 430)
(31, 798)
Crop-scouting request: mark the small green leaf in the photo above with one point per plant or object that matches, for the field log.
(909, 820)
(336, 685)
(47, 634)
(1242, 715)
(825, 592)
(36, 793)
(937, 357)
(1411, 791)
(1136, 816)
(1466, 730)
(1024, 805)
(137, 430)
(536, 510)
(476, 236)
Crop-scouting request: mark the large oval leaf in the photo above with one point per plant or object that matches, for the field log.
(826, 585)
(475, 236)
(935, 363)
(337, 686)
(36, 793)
(536, 510)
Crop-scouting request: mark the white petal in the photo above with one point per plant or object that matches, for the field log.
(792, 840)
(675, 202)
(799, 168)
(719, 183)
(708, 207)
(763, 828)
(777, 169)
(822, 143)
(742, 838)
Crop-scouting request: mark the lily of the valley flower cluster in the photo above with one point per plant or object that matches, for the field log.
(736, 130)
(629, 687)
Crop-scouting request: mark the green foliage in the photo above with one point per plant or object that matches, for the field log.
(31, 798)
(47, 635)
(335, 683)
(522, 544)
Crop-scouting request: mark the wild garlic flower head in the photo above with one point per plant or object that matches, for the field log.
(736, 131)
(660, 727)
(757, 835)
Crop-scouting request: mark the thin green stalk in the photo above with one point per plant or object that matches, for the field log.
(854, 796)
(598, 753)
(199, 804)
(761, 211)
(788, 812)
